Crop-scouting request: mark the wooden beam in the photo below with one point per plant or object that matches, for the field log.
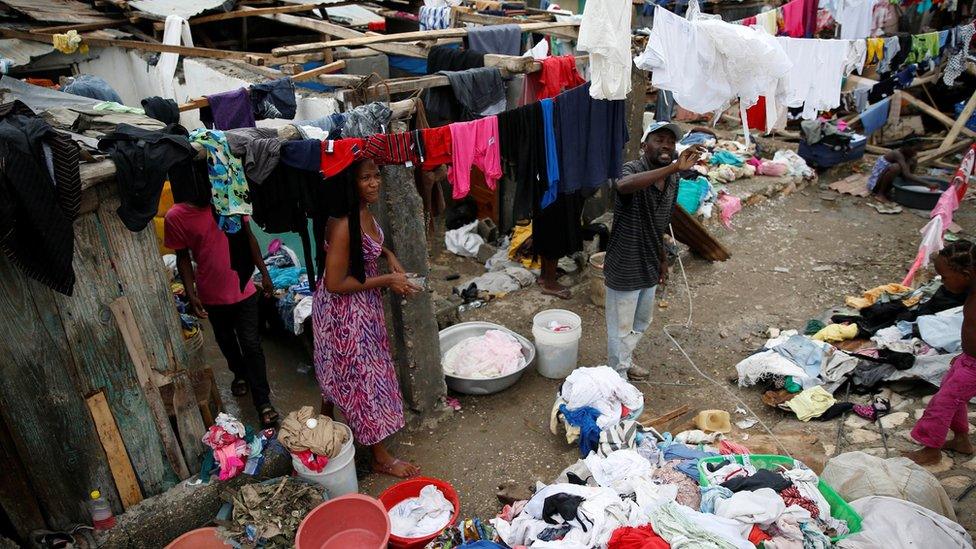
(249, 12)
(118, 460)
(961, 121)
(80, 28)
(201, 102)
(331, 29)
(143, 46)
(934, 113)
(404, 36)
(930, 156)
(125, 321)
(467, 16)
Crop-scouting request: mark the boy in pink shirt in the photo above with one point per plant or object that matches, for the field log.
(216, 292)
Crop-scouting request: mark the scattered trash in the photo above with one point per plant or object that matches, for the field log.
(781, 269)
(452, 403)
(268, 514)
(746, 423)
(886, 208)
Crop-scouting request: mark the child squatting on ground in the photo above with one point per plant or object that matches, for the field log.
(948, 409)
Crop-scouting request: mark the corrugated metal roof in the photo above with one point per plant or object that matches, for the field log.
(23, 51)
(183, 8)
(57, 11)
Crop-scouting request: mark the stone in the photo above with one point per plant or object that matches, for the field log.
(971, 464)
(955, 483)
(863, 436)
(856, 422)
(926, 400)
(891, 421)
(919, 412)
(876, 452)
(942, 466)
(907, 435)
(829, 449)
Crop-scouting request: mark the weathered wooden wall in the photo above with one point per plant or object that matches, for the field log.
(58, 349)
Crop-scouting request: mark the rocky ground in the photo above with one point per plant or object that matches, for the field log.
(793, 257)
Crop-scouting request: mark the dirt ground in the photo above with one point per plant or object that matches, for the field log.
(793, 257)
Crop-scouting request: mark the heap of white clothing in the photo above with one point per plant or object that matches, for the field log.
(601, 387)
(421, 516)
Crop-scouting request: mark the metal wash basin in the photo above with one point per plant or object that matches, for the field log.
(452, 335)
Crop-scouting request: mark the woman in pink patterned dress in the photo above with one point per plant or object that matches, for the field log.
(352, 351)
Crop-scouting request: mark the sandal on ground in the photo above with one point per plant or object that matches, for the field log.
(269, 417)
(238, 387)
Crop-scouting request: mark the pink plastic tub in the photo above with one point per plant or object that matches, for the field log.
(201, 538)
(353, 520)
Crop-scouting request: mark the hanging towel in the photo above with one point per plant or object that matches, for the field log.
(228, 110)
(500, 39)
(876, 116)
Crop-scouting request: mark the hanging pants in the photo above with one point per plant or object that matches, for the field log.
(948, 409)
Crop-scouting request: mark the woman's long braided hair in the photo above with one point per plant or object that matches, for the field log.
(961, 255)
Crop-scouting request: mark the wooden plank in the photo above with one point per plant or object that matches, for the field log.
(17, 497)
(929, 157)
(102, 359)
(461, 14)
(961, 121)
(130, 333)
(689, 231)
(135, 256)
(934, 113)
(401, 37)
(331, 29)
(81, 27)
(118, 459)
(189, 422)
(142, 46)
(43, 408)
(251, 12)
(663, 419)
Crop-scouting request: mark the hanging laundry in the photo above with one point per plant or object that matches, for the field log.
(590, 137)
(523, 148)
(258, 148)
(499, 39)
(767, 21)
(875, 51)
(274, 99)
(817, 90)
(229, 189)
(856, 18)
(876, 116)
(437, 147)
(709, 63)
(450, 58)
(557, 74)
(40, 200)
(478, 92)
(924, 46)
(552, 158)
(385, 148)
(339, 154)
(434, 18)
(891, 48)
(800, 17)
(605, 34)
(957, 61)
(365, 120)
(474, 143)
(228, 110)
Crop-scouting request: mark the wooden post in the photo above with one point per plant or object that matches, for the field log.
(961, 121)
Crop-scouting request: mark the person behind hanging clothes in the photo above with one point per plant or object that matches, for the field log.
(353, 363)
(894, 164)
(949, 408)
(214, 290)
(636, 261)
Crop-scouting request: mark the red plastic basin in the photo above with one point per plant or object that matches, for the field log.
(410, 489)
(353, 520)
(201, 538)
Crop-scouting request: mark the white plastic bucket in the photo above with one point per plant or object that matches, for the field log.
(556, 352)
(339, 475)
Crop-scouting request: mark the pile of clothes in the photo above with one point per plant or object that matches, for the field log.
(890, 333)
(417, 517)
(291, 286)
(235, 449)
(598, 410)
(494, 354)
(665, 495)
(312, 439)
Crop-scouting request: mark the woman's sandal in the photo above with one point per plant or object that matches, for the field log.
(238, 387)
(269, 417)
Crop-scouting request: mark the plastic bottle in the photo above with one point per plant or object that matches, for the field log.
(101, 511)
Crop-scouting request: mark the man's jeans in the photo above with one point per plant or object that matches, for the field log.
(628, 315)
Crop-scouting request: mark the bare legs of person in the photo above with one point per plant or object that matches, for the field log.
(382, 461)
(882, 189)
(550, 280)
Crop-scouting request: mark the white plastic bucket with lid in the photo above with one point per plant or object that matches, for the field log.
(557, 352)
(339, 475)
